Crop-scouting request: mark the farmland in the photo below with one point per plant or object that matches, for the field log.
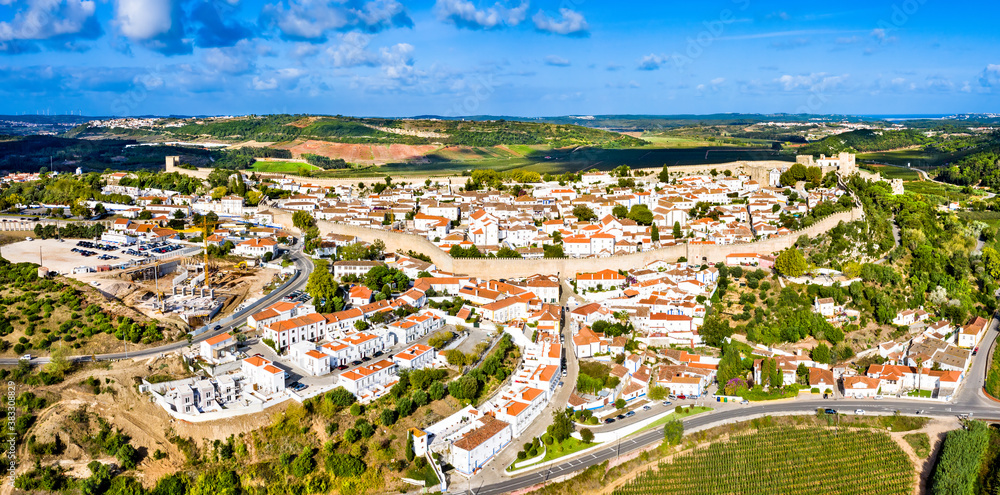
(282, 167)
(774, 461)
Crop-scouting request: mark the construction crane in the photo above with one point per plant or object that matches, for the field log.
(204, 236)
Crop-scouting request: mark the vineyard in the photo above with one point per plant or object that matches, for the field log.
(785, 460)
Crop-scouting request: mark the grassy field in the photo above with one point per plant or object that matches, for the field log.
(892, 172)
(952, 193)
(920, 442)
(914, 157)
(675, 415)
(785, 460)
(282, 167)
(569, 446)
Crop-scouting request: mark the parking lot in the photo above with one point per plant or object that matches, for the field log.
(61, 255)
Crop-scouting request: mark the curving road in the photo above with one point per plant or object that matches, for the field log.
(299, 278)
(968, 400)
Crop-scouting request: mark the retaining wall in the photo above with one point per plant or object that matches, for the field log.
(568, 267)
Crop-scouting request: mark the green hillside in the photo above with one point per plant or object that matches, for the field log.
(866, 140)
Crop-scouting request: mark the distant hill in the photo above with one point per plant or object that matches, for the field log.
(284, 128)
(866, 140)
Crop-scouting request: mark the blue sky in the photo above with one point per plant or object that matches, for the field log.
(513, 57)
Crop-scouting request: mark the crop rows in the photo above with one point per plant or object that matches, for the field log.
(785, 461)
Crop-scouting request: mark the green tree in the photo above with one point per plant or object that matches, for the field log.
(302, 220)
(583, 213)
(790, 263)
(620, 404)
(654, 233)
(673, 432)
(324, 289)
(304, 464)
(562, 424)
(553, 251)
(677, 231)
(127, 456)
(586, 435)
(821, 353)
(664, 175)
(619, 211)
(410, 453)
(641, 214)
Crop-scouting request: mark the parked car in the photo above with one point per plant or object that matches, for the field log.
(682, 397)
(342, 367)
(356, 363)
(667, 403)
(859, 412)
(745, 402)
(620, 416)
(609, 421)
(630, 414)
(26, 357)
(646, 408)
(672, 397)
(830, 411)
(878, 397)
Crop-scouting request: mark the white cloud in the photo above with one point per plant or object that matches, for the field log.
(143, 19)
(816, 81)
(556, 61)
(313, 19)
(653, 61)
(990, 76)
(571, 23)
(238, 59)
(464, 14)
(352, 51)
(43, 19)
(264, 84)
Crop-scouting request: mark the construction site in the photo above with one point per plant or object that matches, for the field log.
(184, 290)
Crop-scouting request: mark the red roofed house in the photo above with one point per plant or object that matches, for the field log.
(277, 312)
(478, 445)
(217, 346)
(256, 247)
(287, 332)
(971, 334)
(606, 279)
(415, 357)
(860, 386)
(309, 359)
(360, 295)
(364, 378)
(263, 375)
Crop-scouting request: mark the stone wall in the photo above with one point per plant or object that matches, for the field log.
(568, 267)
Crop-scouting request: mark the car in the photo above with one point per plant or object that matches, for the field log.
(667, 403)
(342, 367)
(565, 373)
(378, 353)
(646, 408)
(830, 411)
(26, 357)
(920, 411)
(293, 385)
(745, 402)
(859, 412)
(609, 421)
(672, 397)
(975, 351)
(878, 397)
(620, 416)
(630, 414)
(302, 386)
(366, 359)
(356, 363)
(258, 355)
(28, 239)
(681, 397)
(217, 327)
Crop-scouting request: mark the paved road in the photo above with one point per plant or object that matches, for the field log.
(302, 262)
(969, 399)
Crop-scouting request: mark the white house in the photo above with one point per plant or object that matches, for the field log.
(825, 306)
(287, 332)
(217, 347)
(972, 333)
(860, 386)
(415, 357)
(305, 356)
(478, 445)
(263, 375)
(256, 247)
(364, 378)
